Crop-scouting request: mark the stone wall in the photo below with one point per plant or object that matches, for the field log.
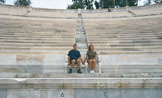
(81, 93)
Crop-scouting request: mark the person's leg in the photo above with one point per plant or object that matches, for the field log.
(90, 64)
(93, 64)
(78, 63)
(72, 64)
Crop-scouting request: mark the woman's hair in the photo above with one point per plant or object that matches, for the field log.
(89, 48)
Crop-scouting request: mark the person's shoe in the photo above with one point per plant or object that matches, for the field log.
(70, 71)
(79, 71)
(92, 71)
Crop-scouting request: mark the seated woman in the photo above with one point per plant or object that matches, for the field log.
(91, 56)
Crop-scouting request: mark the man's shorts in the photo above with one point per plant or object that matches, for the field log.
(75, 61)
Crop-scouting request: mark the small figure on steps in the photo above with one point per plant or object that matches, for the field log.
(91, 56)
(74, 57)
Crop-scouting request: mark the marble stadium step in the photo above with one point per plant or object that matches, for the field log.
(33, 45)
(32, 59)
(148, 64)
(24, 31)
(132, 69)
(133, 38)
(38, 69)
(37, 44)
(131, 59)
(28, 51)
(61, 74)
(32, 63)
(35, 49)
(135, 46)
(36, 35)
(126, 32)
(32, 69)
(49, 83)
(127, 52)
(127, 40)
(34, 41)
(41, 39)
(32, 52)
(124, 40)
(127, 44)
(122, 32)
(37, 38)
(158, 49)
(129, 49)
(124, 37)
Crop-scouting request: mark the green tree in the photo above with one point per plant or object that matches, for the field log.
(88, 4)
(2, 1)
(97, 4)
(107, 3)
(158, 1)
(75, 5)
(117, 3)
(83, 4)
(132, 2)
(22, 3)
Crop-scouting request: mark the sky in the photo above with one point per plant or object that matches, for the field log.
(54, 4)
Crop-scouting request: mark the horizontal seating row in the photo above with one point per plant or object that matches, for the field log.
(133, 35)
(33, 12)
(29, 35)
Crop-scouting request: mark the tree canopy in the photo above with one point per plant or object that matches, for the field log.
(97, 4)
(117, 3)
(2, 1)
(22, 3)
(88, 4)
(158, 1)
(83, 4)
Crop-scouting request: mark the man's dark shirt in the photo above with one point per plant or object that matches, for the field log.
(74, 54)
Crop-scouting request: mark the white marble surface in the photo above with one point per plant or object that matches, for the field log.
(131, 59)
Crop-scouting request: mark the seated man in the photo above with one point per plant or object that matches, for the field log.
(74, 57)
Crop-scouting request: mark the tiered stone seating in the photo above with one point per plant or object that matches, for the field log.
(37, 12)
(106, 15)
(141, 35)
(127, 45)
(36, 36)
(33, 45)
(52, 14)
(13, 10)
(33, 48)
(148, 10)
(123, 12)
